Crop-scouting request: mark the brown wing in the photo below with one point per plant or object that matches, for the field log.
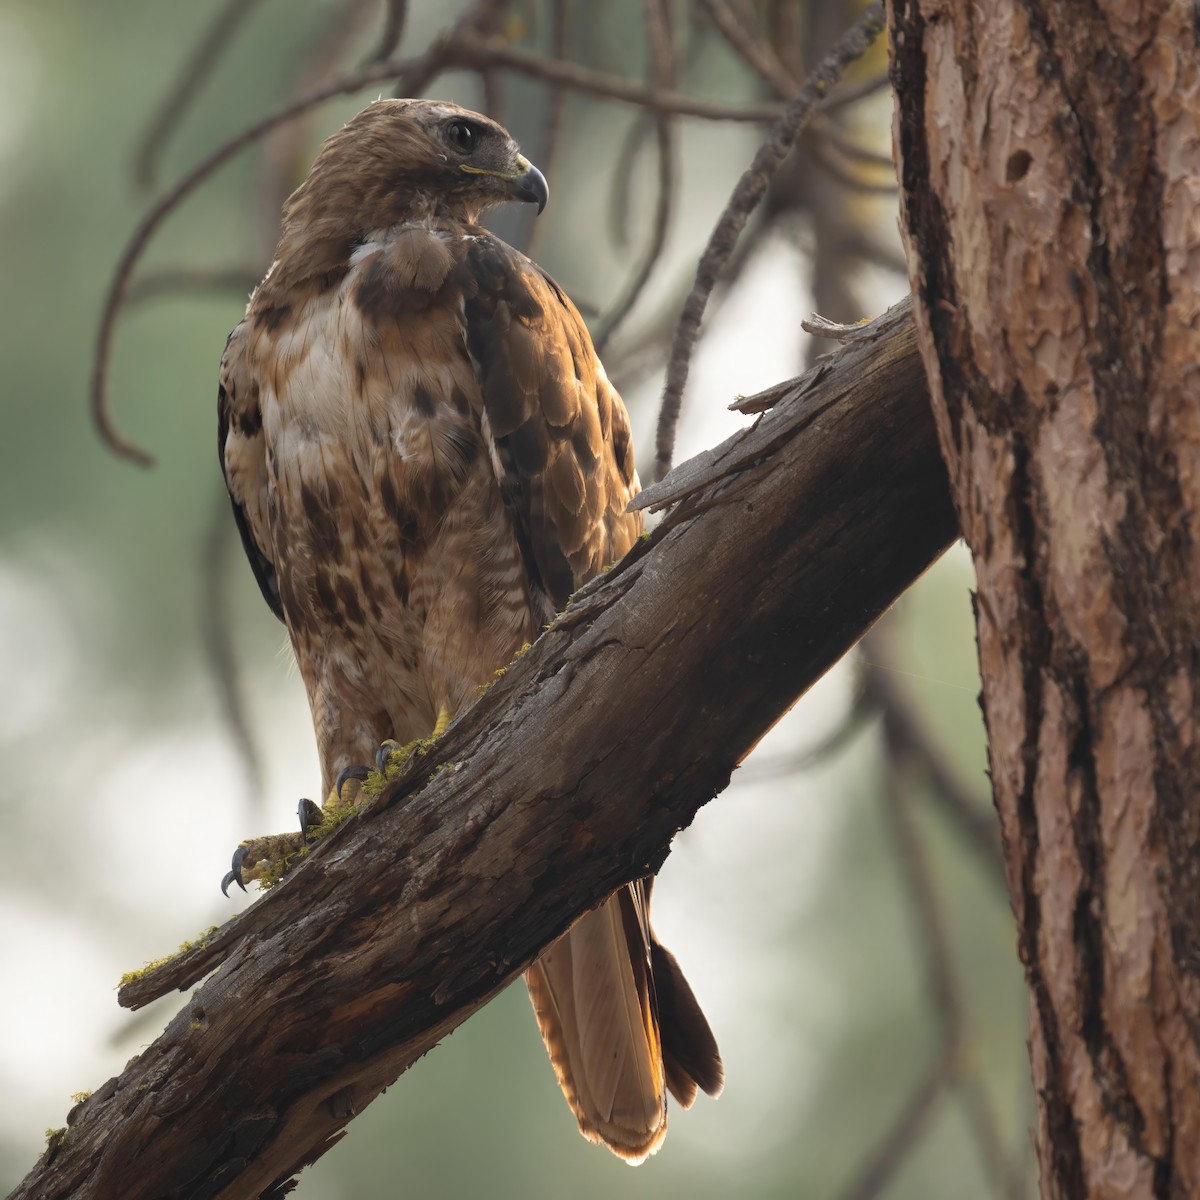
(243, 463)
(559, 434)
(615, 1011)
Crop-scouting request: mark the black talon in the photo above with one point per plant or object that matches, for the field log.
(385, 751)
(310, 817)
(347, 773)
(235, 874)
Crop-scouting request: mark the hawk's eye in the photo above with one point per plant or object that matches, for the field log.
(462, 135)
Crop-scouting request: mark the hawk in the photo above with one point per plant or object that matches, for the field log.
(425, 458)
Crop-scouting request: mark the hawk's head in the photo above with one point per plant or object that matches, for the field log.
(402, 160)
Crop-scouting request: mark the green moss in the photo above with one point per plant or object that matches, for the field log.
(499, 671)
(80, 1097)
(55, 1137)
(274, 871)
(196, 943)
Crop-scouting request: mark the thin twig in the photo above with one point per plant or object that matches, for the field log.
(556, 95)
(478, 52)
(822, 151)
(866, 248)
(395, 17)
(1006, 1172)
(749, 191)
(481, 19)
(620, 200)
(890, 1152)
(859, 714)
(184, 281)
(491, 84)
(200, 63)
(786, 23)
(968, 813)
(851, 93)
(663, 77)
(829, 131)
(906, 757)
(756, 53)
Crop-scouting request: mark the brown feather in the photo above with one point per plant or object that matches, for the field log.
(592, 997)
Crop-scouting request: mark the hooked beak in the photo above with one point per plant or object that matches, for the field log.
(529, 184)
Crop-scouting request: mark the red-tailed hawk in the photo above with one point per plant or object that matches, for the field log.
(425, 459)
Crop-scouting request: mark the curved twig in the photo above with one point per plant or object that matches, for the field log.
(663, 74)
(200, 63)
(746, 195)
(395, 17)
(183, 281)
(754, 52)
(555, 100)
(476, 52)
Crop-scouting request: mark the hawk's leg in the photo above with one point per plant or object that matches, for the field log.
(267, 860)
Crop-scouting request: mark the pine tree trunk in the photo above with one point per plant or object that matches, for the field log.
(1049, 158)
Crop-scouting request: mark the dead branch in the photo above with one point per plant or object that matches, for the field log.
(395, 17)
(415, 912)
(200, 63)
(749, 191)
(663, 68)
(755, 52)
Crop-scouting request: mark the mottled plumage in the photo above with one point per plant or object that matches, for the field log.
(425, 458)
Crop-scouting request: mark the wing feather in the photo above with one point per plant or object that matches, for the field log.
(242, 452)
(559, 431)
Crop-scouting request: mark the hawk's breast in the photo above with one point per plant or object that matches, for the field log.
(397, 561)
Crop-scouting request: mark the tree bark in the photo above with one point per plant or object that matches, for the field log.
(568, 778)
(1049, 155)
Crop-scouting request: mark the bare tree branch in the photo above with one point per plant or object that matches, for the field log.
(395, 17)
(402, 923)
(663, 74)
(749, 191)
(199, 65)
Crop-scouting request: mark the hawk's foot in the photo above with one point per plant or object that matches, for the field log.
(264, 860)
(444, 717)
(392, 756)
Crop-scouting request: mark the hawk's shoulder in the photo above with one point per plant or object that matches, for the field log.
(558, 431)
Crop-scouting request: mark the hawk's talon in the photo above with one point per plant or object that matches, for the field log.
(348, 773)
(310, 816)
(235, 873)
(384, 754)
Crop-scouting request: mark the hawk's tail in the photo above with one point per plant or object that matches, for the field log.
(622, 1026)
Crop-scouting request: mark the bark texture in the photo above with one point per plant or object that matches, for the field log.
(1049, 157)
(567, 779)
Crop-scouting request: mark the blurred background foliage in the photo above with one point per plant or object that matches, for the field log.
(839, 910)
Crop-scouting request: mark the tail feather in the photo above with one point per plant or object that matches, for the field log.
(690, 1054)
(599, 994)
